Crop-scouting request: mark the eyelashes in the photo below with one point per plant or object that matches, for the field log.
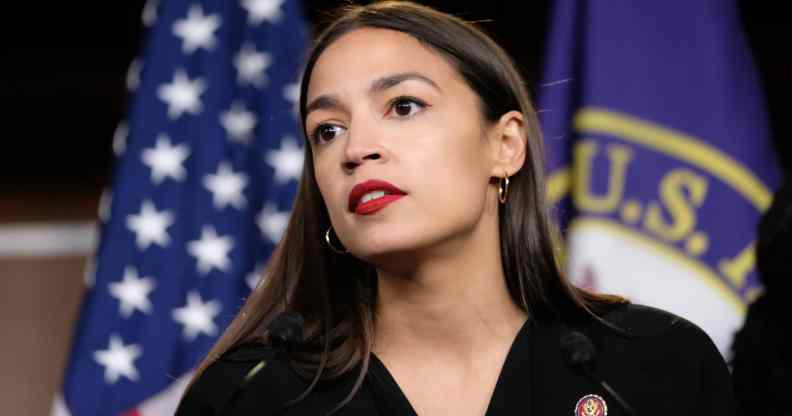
(318, 135)
(403, 107)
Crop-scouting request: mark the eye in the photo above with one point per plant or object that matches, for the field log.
(325, 132)
(404, 106)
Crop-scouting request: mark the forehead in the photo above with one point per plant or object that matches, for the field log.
(357, 57)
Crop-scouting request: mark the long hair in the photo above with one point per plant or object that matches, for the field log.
(336, 294)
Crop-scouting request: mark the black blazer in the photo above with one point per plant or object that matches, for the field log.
(662, 365)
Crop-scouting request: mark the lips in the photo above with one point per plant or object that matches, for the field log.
(392, 193)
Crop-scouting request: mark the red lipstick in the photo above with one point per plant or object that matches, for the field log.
(392, 193)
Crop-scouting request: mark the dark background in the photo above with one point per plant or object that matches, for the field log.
(63, 68)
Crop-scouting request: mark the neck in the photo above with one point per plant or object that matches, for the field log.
(456, 303)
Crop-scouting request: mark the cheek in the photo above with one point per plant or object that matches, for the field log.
(456, 176)
(326, 185)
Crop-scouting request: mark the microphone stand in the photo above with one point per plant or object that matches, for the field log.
(580, 354)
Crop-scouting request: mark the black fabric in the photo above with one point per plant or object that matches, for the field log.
(386, 391)
(661, 364)
(763, 360)
(762, 349)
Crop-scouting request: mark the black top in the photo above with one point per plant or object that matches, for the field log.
(661, 365)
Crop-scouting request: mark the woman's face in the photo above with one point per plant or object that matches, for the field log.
(381, 107)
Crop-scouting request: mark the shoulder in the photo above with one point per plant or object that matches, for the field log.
(658, 362)
(657, 329)
(670, 353)
(225, 381)
(646, 321)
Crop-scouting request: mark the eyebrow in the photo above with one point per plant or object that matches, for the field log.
(381, 84)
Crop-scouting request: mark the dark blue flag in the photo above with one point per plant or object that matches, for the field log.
(207, 166)
(659, 153)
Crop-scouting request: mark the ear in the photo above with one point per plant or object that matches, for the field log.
(508, 142)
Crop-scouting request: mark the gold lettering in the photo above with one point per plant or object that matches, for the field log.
(618, 157)
(679, 207)
(737, 268)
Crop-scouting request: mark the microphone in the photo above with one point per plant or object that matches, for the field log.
(285, 331)
(580, 354)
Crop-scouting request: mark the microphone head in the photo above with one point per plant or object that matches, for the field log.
(286, 330)
(578, 351)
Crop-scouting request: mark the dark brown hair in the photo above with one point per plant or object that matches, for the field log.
(336, 294)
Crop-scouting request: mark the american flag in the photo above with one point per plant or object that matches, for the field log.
(207, 166)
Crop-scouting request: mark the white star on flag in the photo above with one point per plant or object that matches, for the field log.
(118, 360)
(251, 65)
(238, 123)
(182, 95)
(165, 160)
(252, 279)
(150, 226)
(133, 74)
(132, 292)
(149, 16)
(260, 10)
(105, 202)
(120, 138)
(197, 30)
(211, 251)
(272, 222)
(287, 161)
(186, 226)
(226, 186)
(291, 92)
(197, 317)
(89, 273)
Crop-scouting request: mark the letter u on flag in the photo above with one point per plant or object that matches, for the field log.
(659, 154)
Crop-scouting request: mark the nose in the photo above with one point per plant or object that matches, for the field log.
(362, 146)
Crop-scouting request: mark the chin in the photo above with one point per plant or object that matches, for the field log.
(374, 248)
(378, 241)
(391, 252)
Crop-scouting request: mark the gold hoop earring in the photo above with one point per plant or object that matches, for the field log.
(503, 189)
(329, 244)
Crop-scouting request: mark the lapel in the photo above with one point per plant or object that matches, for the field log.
(556, 387)
(388, 397)
(535, 380)
(513, 389)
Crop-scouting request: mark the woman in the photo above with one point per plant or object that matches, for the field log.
(420, 258)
